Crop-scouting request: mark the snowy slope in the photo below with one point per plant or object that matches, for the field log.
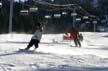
(54, 54)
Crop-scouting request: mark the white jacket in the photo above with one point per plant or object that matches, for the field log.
(37, 35)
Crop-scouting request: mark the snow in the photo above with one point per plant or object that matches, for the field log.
(54, 53)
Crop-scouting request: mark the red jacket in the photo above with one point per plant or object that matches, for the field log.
(74, 33)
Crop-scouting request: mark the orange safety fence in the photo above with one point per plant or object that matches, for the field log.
(67, 38)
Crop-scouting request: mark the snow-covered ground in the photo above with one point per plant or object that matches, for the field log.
(54, 54)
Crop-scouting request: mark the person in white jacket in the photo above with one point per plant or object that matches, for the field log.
(35, 40)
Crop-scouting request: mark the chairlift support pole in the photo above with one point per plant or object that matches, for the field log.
(11, 16)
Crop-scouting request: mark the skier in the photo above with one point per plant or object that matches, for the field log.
(74, 35)
(35, 40)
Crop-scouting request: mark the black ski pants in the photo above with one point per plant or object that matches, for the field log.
(34, 42)
(77, 42)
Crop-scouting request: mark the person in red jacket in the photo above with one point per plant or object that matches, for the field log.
(74, 35)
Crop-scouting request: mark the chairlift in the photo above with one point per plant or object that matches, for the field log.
(57, 15)
(33, 9)
(64, 13)
(78, 19)
(85, 17)
(24, 12)
(47, 16)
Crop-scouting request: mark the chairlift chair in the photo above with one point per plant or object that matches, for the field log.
(24, 12)
(33, 9)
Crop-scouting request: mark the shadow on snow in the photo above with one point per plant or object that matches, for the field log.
(76, 69)
(24, 52)
(70, 68)
(24, 42)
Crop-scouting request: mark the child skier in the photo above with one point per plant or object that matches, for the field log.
(35, 40)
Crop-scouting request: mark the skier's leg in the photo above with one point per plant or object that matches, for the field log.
(79, 42)
(75, 41)
(30, 44)
(36, 44)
